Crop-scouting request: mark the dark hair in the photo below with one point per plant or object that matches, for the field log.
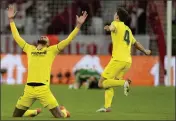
(123, 14)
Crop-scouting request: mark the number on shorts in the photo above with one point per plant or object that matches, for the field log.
(127, 37)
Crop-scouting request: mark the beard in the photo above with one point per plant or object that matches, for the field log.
(42, 42)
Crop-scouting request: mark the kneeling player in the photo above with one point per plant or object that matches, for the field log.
(40, 59)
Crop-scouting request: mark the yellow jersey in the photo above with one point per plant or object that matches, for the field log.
(122, 40)
(40, 61)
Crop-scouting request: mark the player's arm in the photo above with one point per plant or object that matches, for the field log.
(111, 28)
(141, 48)
(80, 20)
(11, 14)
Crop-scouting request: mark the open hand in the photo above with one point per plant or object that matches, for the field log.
(81, 19)
(11, 12)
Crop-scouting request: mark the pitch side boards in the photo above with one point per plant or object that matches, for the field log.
(140, 72)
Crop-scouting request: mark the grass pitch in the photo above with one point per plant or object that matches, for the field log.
(143, 103)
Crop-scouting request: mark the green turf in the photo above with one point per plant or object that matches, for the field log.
(143, 103)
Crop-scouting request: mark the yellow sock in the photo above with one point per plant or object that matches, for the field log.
(29, 113)
(109, 93)
(113, 83)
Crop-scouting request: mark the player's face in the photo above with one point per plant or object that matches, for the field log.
(43, 40)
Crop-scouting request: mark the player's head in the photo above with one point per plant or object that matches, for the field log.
(121, 15)
(43, 41)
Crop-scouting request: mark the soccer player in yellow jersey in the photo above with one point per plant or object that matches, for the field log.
(40, 60)
(122, 39)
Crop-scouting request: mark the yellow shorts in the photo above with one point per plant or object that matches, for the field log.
(116, 69)
(33, 93)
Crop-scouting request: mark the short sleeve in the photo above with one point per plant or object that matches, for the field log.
(55, 50)
(27, 47)
(115, 24)
(133, 39)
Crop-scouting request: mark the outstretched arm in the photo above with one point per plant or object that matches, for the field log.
(80, 21)
(11, 14)
(67, 41)
(141, 48)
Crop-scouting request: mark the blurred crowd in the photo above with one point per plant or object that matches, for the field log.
(58, 16)
(36, 17)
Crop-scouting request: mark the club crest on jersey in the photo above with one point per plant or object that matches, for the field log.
(39, 53)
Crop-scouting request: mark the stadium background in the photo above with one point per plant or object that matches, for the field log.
(56, 19)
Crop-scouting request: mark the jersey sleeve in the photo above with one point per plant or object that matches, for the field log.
(115, 24)
(133, 39)
(54, 49)
(20, 41)
(64, 43)
(68, 40)
(27, 47)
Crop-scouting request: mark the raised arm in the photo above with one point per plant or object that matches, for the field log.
(80, 20)
(11, 14)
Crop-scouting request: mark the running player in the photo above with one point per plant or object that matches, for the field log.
(122, 39)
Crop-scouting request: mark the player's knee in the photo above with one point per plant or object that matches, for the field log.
(100, 83)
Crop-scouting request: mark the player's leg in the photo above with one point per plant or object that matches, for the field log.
(120, 75)
(48, 100)
(108, 81)
(77, 84)
(109, 94)
(27, 113)
(80, 77)
(108, 76)
(24, 102)
(18, 112)
(32, 113)
(56, 112)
